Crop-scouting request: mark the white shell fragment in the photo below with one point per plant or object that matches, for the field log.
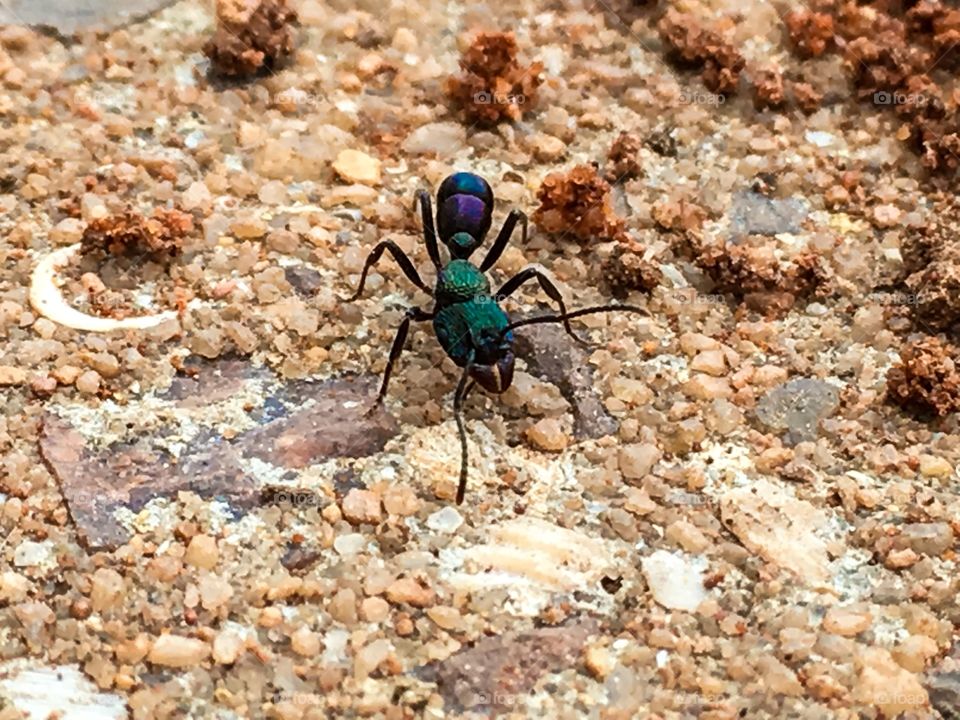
(46, 299)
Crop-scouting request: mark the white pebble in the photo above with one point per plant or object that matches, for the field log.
(446, 520)
(675, 580)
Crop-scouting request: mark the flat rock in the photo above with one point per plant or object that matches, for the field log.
(554, 356)
(491, 675)
(67, 17)
(781, 528)
(796, 408)
(60, 691)
(756, 214)
(299, 423)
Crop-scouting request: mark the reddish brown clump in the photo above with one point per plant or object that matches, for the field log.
(941, 24)
(768, 92)
(931, 259)
(678, 215)
(811, 33)
(806, 97)
(755, 276)
(129, 233)
(251, 36)
(926, 382)
(494, 86)
(691, 45)
(891, 50)
(623, 159)
(626, 270)
(578, 203)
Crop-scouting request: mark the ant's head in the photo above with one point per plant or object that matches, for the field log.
(497, 376)
(493, 368)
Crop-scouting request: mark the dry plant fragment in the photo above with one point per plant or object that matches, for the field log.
(927, 380)
(129, 232)
(251, 36)
(578, 203)
(494, 86)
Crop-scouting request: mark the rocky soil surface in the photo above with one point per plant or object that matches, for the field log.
(743, 504)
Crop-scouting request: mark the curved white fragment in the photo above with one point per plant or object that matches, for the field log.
(46, 298)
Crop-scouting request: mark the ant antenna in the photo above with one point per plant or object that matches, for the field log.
(563, 317)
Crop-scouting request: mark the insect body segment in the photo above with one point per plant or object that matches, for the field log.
(468, 322)
(464, 213)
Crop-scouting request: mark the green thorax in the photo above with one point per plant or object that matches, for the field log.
(459, 281)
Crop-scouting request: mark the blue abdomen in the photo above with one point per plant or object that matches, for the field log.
(464, 205)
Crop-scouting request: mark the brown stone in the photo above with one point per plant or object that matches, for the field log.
(491, 675)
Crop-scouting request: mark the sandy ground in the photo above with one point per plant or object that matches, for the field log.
(711, 512)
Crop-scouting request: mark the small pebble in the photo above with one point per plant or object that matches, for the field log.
(357, 167)
(10, 375)
(847, 622)
(548, 434)
(445, 520)
(675, 581)
(88, 383)
(227, 646)
(636, 460)
(412, 592)
(178, 651)
(374, 609)
(361, 506)
(202, 552)
(305, 642)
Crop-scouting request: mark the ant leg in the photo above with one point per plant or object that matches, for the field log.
(402, 260)
(462, 389)
(422, 198)
(399, 340)
(549, 288)
(503, 237)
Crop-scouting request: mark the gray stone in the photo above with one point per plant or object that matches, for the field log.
(756, 214)
(67, 17)
(554, 356)
(796, 408)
